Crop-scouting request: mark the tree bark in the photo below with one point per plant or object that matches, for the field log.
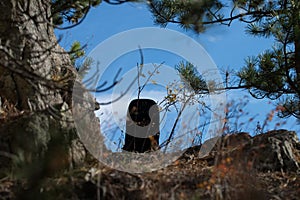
(35, 79)
(297, 44)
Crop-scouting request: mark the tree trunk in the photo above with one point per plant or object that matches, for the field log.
(35, 81)
(297, 44)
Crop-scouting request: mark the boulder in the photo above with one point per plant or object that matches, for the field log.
(275, 150)
(272, 151)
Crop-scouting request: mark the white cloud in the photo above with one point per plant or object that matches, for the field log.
(212, 38)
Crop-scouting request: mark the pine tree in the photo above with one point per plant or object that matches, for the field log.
(71, 11)
(273, 74)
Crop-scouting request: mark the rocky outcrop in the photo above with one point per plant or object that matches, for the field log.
(272, 151)
(275, 150)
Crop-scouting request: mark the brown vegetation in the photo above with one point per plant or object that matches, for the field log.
(239, 167)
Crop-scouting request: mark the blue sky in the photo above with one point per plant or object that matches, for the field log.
(227, 46)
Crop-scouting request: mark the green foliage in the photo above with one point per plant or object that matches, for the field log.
(76, 52)
(291, 105)
(71, 11)
(275, 73)
(189, 14)
(84, 67)
(264, 75)
(191, 76)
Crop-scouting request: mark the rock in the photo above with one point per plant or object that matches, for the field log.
(276, 150)
(234, 140)
(272, 151)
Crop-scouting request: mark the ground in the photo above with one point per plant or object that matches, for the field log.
(220, 175)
